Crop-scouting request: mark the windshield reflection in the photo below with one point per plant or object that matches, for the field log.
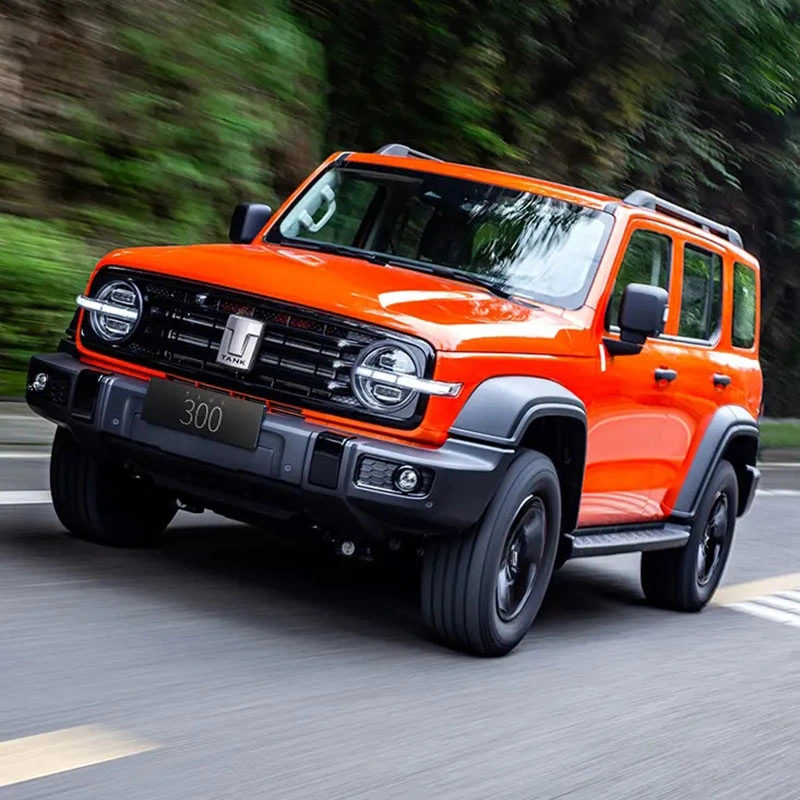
(521, 243)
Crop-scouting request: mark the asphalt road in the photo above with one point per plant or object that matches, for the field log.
(228, 666)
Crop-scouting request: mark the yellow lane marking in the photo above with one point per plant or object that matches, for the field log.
(740, 592)
(60, 751)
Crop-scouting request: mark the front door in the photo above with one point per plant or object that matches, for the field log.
(631, 432)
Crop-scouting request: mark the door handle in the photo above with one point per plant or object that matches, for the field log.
(721, 380)
(665, 374)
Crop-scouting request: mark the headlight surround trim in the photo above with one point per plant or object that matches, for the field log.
(104, 307)
(366, 371)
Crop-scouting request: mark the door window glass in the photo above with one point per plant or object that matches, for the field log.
(646, 260)
(701, 294)
(744, 306)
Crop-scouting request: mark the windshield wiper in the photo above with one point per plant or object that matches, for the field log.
(477, 280)
(387, 260)
(341, 250)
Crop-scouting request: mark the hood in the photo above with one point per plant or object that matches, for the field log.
(451, 315)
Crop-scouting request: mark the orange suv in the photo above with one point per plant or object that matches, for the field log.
(497, 372)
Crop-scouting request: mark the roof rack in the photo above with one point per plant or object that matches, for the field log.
(405, 151)
(644, 199)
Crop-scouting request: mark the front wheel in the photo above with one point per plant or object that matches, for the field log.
(99, 502)
(481, 592)
(685, 579)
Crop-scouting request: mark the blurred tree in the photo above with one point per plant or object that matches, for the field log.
(131, 123)
(138, 123)
(166, 114)
(697, 101)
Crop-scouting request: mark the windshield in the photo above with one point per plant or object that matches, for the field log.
(525, 244)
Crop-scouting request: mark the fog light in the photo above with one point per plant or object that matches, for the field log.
(406, 479)
(39, 382)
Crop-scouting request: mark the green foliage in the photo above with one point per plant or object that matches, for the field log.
(781, 434)
(184, 110)
(697, 101)
(141, 123)
(40, 274)
(195, 123)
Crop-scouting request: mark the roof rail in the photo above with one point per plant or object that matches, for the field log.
(644, 199)
(403, 150)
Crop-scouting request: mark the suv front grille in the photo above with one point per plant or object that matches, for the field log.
(304, 360)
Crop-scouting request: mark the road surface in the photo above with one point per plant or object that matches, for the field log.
(225, 666)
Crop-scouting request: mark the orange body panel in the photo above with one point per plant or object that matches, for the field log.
(641, 434)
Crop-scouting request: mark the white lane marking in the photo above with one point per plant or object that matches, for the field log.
(779, 465)
(35, 498)
(776, 599)
(64, 750)
(781, 603)
(766, 612)
(25, 498)
(18, 455)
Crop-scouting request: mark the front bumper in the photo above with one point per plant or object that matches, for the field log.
(337, 480)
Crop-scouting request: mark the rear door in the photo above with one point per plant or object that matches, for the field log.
(738, 378)
(697, 346)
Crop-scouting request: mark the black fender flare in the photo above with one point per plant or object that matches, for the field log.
(513, 411)
(500, 409)
(727, 424)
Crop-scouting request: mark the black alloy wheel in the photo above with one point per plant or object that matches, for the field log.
(522, 558)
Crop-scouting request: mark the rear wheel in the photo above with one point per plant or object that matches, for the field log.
(97, 501)
(481, 592)
(685, 579)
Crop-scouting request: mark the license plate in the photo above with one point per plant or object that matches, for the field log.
(212, 415)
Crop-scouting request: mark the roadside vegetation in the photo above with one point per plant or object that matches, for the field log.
(144, 123)
(780, 435)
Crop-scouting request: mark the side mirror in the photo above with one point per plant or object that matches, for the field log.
(246, 221)
(642, 314)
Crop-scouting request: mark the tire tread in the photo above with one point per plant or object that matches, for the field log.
(667, 576)
(94, 501)
(453, 588)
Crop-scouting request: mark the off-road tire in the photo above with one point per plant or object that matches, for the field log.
(460, 575)
(97, 501)
(671, 579)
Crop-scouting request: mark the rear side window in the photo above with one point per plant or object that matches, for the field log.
(743, 333)
(646, 260)
(701, 295)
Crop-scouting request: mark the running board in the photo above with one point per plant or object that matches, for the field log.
(632, 540)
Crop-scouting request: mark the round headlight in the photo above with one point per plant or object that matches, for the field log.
(121, 311)
(378, 377)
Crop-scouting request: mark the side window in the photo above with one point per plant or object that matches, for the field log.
(701, 296)
(646, 260)
(744, 306)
